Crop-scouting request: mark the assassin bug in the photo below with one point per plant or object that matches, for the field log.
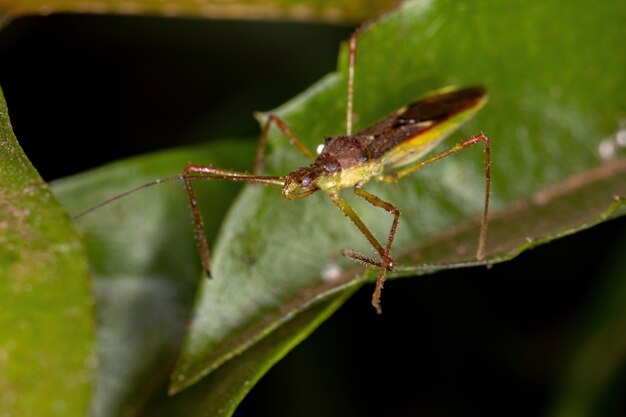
(386, 151)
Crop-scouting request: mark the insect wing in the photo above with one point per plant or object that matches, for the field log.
(415, 130)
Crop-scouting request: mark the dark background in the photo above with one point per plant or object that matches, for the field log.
(85, 90)
(106, 87)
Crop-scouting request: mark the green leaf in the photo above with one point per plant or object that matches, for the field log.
(220, 393)
(579, 202)
(555, 95)
(297, 10)
(46, 341)
(145, 263)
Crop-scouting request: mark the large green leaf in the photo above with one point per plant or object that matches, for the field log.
(220, 393)
(46, 342)
(145, 264)
(555, 94)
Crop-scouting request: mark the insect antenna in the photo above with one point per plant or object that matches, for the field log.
(129, 192)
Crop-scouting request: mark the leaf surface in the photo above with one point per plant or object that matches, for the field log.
(272, 258)
(145, 263)
(46, 342)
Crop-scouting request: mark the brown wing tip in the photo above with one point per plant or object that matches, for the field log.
(442, 104)
(470, 94)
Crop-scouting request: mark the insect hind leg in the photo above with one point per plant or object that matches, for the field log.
(466, 143)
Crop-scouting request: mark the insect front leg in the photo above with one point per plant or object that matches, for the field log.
(293, 140)
(471, 141)
(203, 172)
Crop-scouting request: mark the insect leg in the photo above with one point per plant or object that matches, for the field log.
(293, 140)
(387, 262)
(386, 259)
(351, 65)
(471, 141)
(203, 172)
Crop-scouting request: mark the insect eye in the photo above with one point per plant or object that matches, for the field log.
(305, 181)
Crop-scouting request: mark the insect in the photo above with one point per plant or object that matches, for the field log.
(387, 151)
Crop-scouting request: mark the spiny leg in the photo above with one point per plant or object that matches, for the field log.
(354, 218)
(351, 69)
(471, 141)
(293, 140)
(203, 172)
(386, 259)
(351, 65)
(387, 263)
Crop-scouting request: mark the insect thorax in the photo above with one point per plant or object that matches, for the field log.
(345, 161)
